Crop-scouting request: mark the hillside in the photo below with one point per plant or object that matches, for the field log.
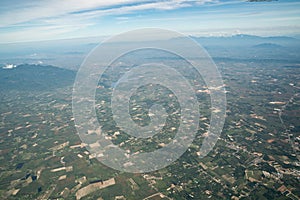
(34, 77)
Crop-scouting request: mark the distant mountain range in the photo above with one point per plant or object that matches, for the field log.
(246, 40)
(71, 53)
(267, 46)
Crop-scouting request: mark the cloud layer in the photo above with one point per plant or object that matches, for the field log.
(32, 20)
(42, 10)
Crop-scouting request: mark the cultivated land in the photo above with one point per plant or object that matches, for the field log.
(257, 156)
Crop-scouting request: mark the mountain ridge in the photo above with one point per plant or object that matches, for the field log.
(35, 77)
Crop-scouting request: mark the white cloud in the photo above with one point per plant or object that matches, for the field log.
(58, 19)
(58, 8)
(51, 8)
(40, 20)
(9, 66)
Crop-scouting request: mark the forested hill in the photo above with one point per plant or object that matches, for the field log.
(34, 77)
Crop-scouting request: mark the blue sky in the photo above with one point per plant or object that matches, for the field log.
(35, 20)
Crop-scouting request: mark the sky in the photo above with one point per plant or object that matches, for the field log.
(39, 20)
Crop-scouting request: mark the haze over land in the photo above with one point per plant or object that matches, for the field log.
(255, 46)
(71, 53)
